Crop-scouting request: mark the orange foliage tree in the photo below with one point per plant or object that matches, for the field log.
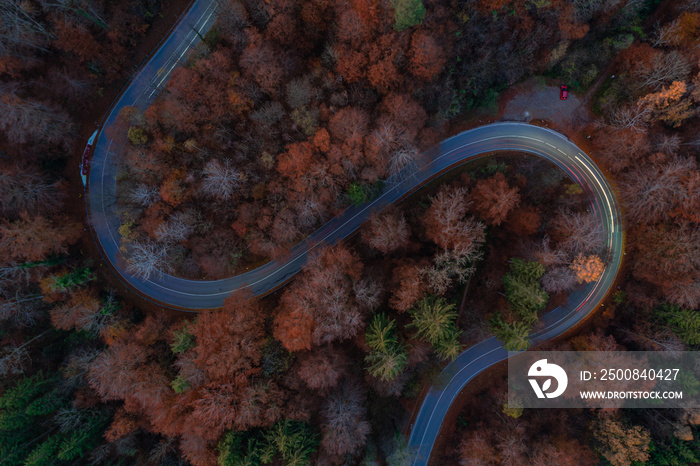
(587, 268)
(671, 105)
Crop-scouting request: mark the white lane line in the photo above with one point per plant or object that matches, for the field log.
(602, 188)
(196, 36)
(320, 242)
(542, 332)
(442, 392)
(317, 242)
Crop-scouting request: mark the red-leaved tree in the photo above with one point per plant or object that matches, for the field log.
(494, 199)
(328, 302)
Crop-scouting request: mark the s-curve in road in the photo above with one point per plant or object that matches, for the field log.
(180, 293)
(470, 363)
(195, 295)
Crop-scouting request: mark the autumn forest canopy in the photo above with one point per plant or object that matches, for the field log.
(284, 115)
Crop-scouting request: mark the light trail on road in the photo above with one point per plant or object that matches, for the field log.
(194, 295)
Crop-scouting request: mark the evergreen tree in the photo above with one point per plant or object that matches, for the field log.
(182, 339)
(684, 322)
(514, 336)
(674, 453)
(434, 321)
(407, 13)
(388, 357)
(523, 290)
(292, 441)
(27, 414)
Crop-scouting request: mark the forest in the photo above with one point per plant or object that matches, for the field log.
(287, 113)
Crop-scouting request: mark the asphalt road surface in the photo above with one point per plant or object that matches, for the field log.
(580, 168)
(195, 295)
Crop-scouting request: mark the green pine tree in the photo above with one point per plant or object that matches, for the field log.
(381, 333)
(387, 364)
(45, 453)
(182, 339)
(388, 357)
(449, 347)
(684, 322)
(515, 336)
(433, 319)
(523, 290)
(407, 13)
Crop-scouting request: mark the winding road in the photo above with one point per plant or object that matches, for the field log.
(195, 295)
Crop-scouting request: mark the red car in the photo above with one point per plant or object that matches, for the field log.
(564, 92)
(85, 162)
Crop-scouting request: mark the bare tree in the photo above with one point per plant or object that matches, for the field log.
(70, 418)
(27, 192)
(404, 160)
(144, 195)
(653, 190)
(669, 144)
(654, 338)
(620, 149)
(309, 211)
(102, 319)
(13, 360)
(267, 117)
(386, 232)
(27, 121)
(685, 294)
(19, 29)
(587, 9)
(85, 9)
(395, 147)
(446, 226)
(233, 13)
(581, 232)
(14, 274)
(692, 5)
(178, 228)
(665, 68)
(221, 179)
(559, 280)
(23, 310)
(147, 258)
(77, 365)
(548, 256)
(161, 450)
(665, 34)
(449, 266)
(344, 427)
(634, 117)
(368, 293)
(299, 92)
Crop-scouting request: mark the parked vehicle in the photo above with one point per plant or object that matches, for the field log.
(85, 162)
(564, 92)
